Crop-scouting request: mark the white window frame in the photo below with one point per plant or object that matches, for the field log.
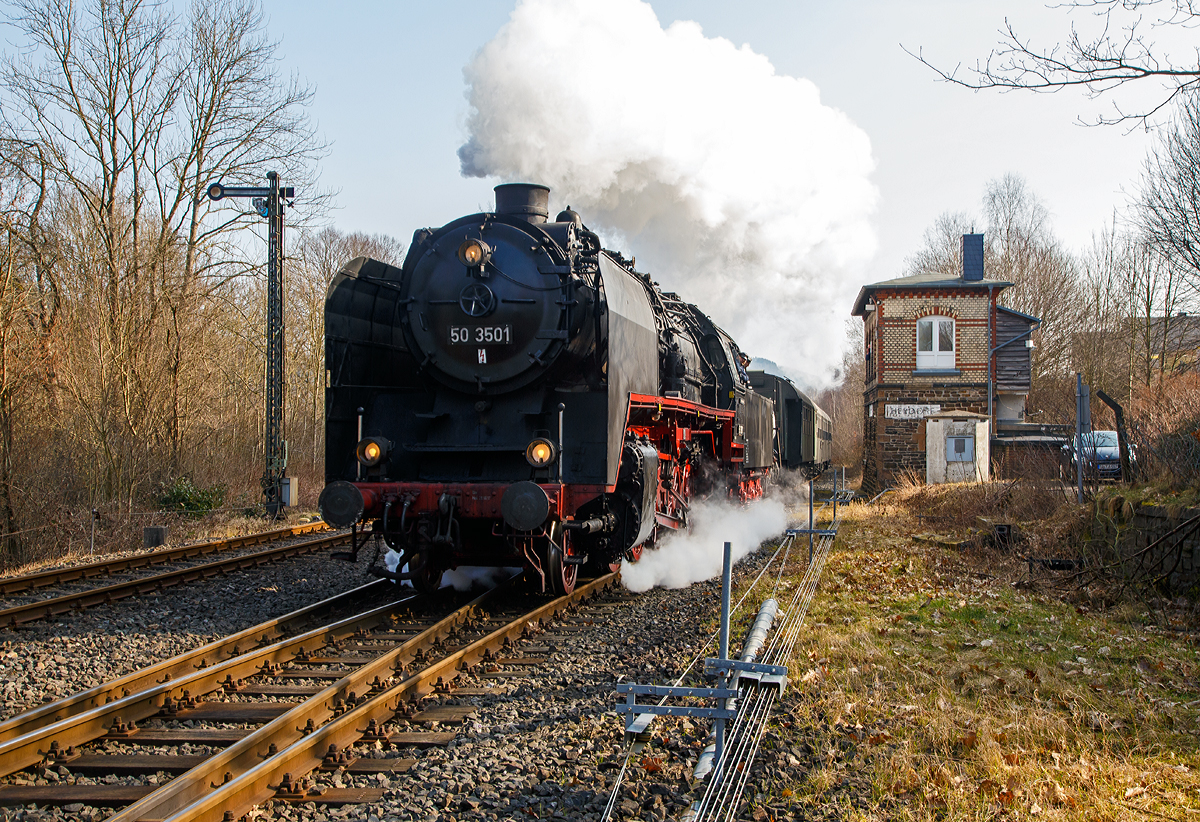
(935, 357)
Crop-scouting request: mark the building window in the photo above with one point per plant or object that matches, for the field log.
(935, 343)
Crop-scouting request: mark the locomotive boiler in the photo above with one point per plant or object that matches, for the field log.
(515, 394)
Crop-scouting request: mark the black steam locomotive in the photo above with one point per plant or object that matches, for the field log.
(515, 394)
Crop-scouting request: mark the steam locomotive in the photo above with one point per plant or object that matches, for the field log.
(515, 394)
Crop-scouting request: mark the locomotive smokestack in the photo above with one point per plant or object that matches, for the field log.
(529, 201)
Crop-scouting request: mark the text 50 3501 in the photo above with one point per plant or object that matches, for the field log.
(467, 335)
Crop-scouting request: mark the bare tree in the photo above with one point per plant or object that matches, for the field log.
(18, 372)
(238, 117)
(1118, 49)
(1022, 249)
(1019, 248)
(319, 256)
(844, 401)
(942, 249)
(128, 112)
(1169, 208)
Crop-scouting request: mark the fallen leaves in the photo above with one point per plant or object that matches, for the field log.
(1055, 795)
(1005, 794)
(813, 675)
(1149, 666)
(992, 698)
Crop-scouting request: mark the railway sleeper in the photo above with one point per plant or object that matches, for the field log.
(370, 712)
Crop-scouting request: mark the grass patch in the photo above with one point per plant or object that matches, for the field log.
(927, 685)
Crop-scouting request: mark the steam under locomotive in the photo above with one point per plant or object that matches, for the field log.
(514, 394)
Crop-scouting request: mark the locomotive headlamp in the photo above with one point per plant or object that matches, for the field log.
(540, 452)
(372, 451)
(474, 253)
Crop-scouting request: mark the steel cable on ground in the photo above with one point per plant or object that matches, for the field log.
(726, 784)
(723, 794)
(726, 788)
(633, 745)
(778, 649)
(720, 790)
(778, 652)
(746, 743)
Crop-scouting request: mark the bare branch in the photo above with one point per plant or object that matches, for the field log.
(1119, 53)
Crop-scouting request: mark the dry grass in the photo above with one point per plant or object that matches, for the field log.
(934, 688)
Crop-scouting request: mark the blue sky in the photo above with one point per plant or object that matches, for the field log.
(390, 96)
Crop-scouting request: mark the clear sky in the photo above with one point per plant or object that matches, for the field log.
(390, 97)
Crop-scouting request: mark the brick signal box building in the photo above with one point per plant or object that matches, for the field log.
(936, 344)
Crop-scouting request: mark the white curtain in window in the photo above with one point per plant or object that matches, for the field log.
(935, 343)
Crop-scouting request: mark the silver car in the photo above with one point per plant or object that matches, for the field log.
(1101, 456)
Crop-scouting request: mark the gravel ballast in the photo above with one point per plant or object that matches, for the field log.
(547, 744)
(46, 660)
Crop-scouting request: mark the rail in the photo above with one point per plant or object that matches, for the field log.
(254, 786)
(69, 603)
(57, 576)
(296, 737)
(206, 656)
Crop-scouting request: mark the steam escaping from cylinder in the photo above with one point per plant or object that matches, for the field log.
(463, 578)
(733, 184)
(684, 557)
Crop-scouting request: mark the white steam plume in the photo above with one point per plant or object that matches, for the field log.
(463, 578)
(690, 556)
(732, 184)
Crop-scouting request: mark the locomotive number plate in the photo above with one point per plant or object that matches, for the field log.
(467, 335)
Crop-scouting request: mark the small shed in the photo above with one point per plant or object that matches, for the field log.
(957, 447)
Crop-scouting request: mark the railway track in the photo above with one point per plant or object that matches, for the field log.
(108, 567)
(266, 707)
(48, 607)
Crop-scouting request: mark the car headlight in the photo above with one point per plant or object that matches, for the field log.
(372, 451)
(540, 452)
(474, 253)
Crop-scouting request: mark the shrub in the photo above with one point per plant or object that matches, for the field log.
(184, 496)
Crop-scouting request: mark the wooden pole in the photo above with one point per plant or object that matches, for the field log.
(1122, 438)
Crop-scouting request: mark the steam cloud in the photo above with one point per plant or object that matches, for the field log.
(685, 557)
(463, 578)
(732, 184)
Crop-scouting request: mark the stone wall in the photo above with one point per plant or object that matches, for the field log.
(1122, 531)
(892, 446)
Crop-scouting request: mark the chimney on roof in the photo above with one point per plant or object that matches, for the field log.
(972, 256)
